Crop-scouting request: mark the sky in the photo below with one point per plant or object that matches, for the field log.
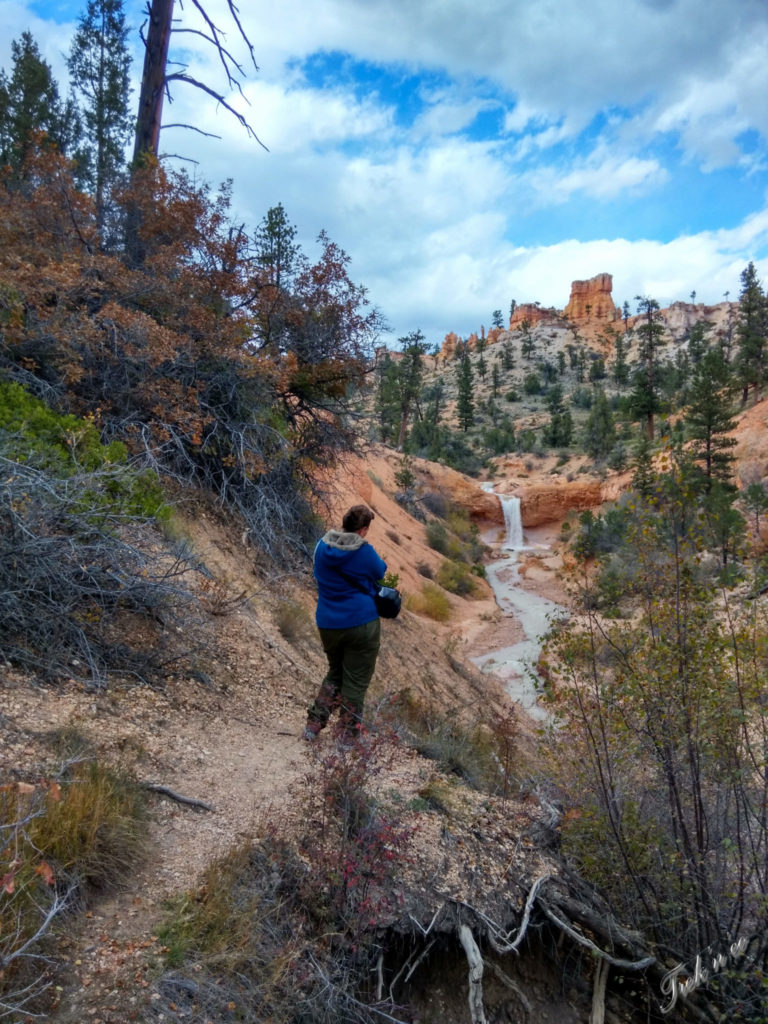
(467, 153)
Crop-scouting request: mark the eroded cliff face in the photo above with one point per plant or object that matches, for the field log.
(543, 501)
(591, 301)
(533, 314)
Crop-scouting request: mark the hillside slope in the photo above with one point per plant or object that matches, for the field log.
(229, 735)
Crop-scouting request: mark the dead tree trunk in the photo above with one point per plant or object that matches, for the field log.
(153, 80)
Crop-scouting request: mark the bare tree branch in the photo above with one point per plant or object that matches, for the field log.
(180, 76)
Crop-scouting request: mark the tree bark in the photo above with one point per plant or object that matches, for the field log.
(153, 79)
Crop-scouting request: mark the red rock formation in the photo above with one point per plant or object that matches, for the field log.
(460, 491)
(533, 314)
(448, 351)
(591, 300)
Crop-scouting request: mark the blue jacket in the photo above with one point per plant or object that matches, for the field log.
(341, 605)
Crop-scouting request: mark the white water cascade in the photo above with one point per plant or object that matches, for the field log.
(515, 664)
(512, 520)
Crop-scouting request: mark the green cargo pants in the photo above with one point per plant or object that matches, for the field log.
(351, 657)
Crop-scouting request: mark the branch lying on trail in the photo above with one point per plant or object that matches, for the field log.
(178, 797)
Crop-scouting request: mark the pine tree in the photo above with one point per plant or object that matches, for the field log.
(99, 66)
(698, 340)
(386, 401)
(409, 379)
(644, 476)
(600, 431)
(280, 262)
(277, 250)
(751, 331)
(709, 418)
(30, 103)
(465, 408)
(620, 367)
(645, 396)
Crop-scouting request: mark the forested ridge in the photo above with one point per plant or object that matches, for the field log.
(157, 355)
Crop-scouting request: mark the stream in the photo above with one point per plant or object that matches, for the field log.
(515, 664)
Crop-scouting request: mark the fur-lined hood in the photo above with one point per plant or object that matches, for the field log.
(344, 541)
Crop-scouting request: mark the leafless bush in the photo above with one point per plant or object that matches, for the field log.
(78, 596)
(435, 503)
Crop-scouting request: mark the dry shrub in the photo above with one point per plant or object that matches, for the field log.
(483, 754)
(293, 620)
(284, 934)
(96, 832)
(58, 839)
(425, 570)
(432, 602)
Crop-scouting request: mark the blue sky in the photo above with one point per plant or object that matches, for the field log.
(470, 152)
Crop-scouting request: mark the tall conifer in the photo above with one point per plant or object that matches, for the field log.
(751, 331)
(99, 65)
(30, 102)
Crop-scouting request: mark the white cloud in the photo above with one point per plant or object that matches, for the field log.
(427, 213)
(601, 177)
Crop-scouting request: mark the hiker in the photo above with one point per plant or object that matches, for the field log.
(347, 570)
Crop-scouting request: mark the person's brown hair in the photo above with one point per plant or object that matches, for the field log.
(358, 517)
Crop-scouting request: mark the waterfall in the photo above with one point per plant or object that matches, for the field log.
(513, 522)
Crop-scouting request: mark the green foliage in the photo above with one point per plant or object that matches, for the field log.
(99, 64)
(582, 397)
(500, 439)
(456, 577)
(751, 331)
(645, 399)
(709, 419)
(465, 406)
(404, 475)
(659, 753)
(532, 384)
(430, 601)
(599, 430)
(30, 105)
(437, 536)
(63, 445)
(755, 499)
(484, 754)
(600, 534)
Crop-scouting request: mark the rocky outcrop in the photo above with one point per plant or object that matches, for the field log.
(448, 351)
(533, 314)
(459, 491)
(551, 503)
(592, 301)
